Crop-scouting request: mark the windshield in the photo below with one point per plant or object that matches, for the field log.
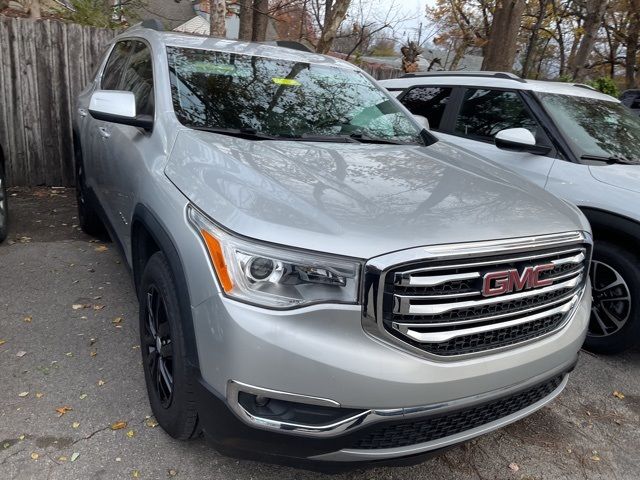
(283, 99)
(596, 128)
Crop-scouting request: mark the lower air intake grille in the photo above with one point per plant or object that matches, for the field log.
(434, 428)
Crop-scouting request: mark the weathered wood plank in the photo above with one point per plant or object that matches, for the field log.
(43, 66)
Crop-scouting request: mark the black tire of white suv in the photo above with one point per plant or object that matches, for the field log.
(170, 385)
(615, 317)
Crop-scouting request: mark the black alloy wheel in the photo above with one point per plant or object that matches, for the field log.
(158, 347)
(615, 282)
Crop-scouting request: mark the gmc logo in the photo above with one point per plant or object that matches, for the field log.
(507, 281)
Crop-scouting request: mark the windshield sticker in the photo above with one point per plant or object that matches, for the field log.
(286, 81)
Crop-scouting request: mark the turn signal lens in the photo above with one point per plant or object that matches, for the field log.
(217, 258)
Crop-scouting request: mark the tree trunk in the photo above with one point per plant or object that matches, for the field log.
(217, 16)
(245, 31)
(334, 15)
(34, 9)
(4, 4)
(592, 23)
(631, 57)
(260, 20)
(533, 39)
(503, 41)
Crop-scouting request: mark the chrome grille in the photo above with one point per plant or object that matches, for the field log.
(440, 307)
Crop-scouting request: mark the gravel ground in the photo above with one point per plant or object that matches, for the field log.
(68, 338)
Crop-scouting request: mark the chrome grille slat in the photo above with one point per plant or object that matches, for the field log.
(549, 304)
(453, 301)
(435, 337)
(490, 262)
(404, 304)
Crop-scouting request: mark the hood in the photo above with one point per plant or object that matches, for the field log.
(359, 200)
(621, 176)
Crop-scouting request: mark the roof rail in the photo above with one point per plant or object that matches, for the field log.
(584, 85)
(153, 24)
(503, 75)
(288, 44)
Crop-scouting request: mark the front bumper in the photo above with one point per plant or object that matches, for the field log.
(373, 436)
(321, 357)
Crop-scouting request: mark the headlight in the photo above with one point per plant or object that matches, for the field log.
(275, 277)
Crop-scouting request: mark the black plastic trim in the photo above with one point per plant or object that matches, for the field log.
(147, 219)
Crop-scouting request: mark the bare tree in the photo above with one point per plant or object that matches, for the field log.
(246, 20)
(260, 20)
(592, 23)
(501, 50)
(333, 14)
(217, 15)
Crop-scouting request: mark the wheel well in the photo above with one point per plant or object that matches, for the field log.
(143, 246)
(613, 228)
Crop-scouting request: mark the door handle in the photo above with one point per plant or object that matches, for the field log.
(104, 133)
(82, 112)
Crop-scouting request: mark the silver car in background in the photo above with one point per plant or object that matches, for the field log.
(321, 282)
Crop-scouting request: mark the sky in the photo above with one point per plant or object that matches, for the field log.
(414, 10)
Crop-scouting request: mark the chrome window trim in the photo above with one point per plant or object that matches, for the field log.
(376, 269)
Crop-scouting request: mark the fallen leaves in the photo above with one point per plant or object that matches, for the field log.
(2, 342)
(21, 354)
(172, 472)
(98, 307)
(27, 319)
(39, 395)
(514, 467)
(119, 425)
(151, 423)
(101, 248)
(23, 394)
(595, 457)
(63, 410)
(74, 456)
(75, 425)
(131, 433)
(117, 321)
(35, 456)
(101, 382)
(618, 395)
(83, 396)
(78, 306)
(135, 474)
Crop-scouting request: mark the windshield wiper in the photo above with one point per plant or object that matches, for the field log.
(246, 133)
(365, 139)
(305, 137)
(609, 160)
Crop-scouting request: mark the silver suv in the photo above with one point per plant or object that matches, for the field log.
(320, 280)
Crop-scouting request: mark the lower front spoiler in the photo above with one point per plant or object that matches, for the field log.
(365, 446)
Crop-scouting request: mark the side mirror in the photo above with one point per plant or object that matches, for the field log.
(424, 121)
(117, 106)
(519, 140)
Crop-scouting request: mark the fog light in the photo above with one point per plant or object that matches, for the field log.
(261, 401)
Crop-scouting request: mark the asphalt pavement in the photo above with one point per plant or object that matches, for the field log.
(73, 403)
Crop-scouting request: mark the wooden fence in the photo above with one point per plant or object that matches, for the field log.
(44, 64)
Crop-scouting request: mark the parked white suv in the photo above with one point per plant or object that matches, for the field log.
(577, 143)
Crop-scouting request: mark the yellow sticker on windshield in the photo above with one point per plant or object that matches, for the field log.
(285, 81)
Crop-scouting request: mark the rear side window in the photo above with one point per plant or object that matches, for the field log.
(486, 112)
(115, 65)
(429, 102)
(138, 78)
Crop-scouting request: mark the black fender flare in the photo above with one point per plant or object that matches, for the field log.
(612, 227)
(143, 217)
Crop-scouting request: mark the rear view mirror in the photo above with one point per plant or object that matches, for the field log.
(117, 106)
(519, 140)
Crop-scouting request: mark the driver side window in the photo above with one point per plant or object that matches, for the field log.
(484, 113)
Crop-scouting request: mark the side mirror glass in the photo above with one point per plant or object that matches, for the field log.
(519, 140)
(117, 106)
(422, 121)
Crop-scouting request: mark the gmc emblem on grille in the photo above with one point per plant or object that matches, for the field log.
(507, 281)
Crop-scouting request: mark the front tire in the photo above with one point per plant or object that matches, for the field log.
(170, 385)
(615, 314)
